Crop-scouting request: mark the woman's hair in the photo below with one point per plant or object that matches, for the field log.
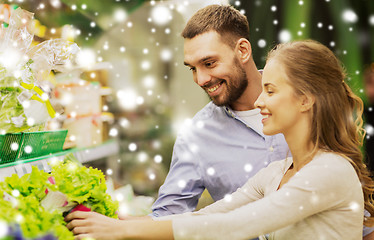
(337, 111)
(228, 22)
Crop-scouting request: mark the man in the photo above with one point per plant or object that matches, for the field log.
(224, 145)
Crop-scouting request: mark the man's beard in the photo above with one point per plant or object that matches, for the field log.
(235, 87)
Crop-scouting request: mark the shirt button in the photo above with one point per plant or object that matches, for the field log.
(271, 149)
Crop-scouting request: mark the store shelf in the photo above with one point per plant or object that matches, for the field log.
(83, 155)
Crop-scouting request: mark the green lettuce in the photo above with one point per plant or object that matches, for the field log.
(84, 186)
(33, 220)
(34, 183)
(20, 197)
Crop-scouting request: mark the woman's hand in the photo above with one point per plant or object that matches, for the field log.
(95, 225)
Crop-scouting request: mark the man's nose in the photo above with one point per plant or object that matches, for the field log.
(202, 77)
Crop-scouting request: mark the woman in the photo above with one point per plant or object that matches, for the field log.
(319, 193)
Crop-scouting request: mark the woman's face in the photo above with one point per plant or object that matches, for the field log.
(279, 105)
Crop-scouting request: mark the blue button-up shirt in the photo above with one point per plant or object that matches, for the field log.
(216, 151)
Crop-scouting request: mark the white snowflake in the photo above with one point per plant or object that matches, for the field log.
(261, 43)
(28, 149)
(210, 171)
(354, 206)
(349, 16)
(16, 193)
(228, 198)
(369, 129)
(182, 183)
(133, 147)
(109, 171)
(113, 132)
(161, 15)
(371, 20)
(158, 159)
(14, 146)
(152, 176)
(284, 36)
(248, 167)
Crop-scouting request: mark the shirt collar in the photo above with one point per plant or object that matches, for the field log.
(232, 114)
(229, 112)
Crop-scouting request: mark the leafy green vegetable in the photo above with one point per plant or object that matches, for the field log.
(33, 183)
(34, 221)
(85, 186)
(20, 197)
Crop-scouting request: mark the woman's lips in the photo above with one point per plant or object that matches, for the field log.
(265, 117)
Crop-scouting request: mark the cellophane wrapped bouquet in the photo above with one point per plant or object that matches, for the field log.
(24, 104)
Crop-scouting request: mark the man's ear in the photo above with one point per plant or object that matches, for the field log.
(307, 102)
(244, 50)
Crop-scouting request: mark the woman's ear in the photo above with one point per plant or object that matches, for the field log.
(244, 50)
(307, 102)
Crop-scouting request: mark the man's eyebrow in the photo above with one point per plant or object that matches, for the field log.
(205, 59)
(200, 61)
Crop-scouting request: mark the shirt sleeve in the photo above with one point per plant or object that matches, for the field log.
(367, 230)
(310, 191)
(183, 185)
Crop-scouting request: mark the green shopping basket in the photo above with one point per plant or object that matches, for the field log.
(10, 144)
(20, 146)
(35, 144)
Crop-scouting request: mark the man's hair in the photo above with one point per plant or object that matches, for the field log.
(228, 22)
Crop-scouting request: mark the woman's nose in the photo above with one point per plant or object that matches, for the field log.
(259, 103)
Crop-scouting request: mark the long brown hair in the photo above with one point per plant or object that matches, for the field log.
(337, 113)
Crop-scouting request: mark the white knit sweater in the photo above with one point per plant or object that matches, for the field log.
(324, 200)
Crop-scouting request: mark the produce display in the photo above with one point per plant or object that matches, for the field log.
(34, 205)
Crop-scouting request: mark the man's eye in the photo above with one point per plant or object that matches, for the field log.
(209, 64)
(192, 69)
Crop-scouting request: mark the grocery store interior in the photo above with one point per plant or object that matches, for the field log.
(119, 90)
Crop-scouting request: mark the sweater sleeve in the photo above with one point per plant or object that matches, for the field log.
(316, 187)
(251, 191)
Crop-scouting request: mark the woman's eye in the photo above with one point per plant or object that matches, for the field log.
(192, 69)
